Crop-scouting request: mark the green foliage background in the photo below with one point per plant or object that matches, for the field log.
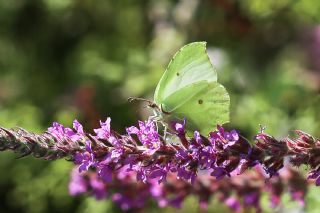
(64, 59)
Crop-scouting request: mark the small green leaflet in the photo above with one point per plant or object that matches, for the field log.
(189, 90)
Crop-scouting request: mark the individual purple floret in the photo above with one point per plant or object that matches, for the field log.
(85, 159)
(98, 187)
(315, 174)
(77, 184)
(57, 130)
(60, 132)
(104, 132)
(148, 136)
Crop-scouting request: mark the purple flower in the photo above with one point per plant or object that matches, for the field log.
(141, 176)
(77, 184)
(159, 172)
(181, 132)
(315, 174)
(203, 204)
(187, 166)
(233, 203)
(298, 196)
(57, 130)
(75, 136)
(180, 128)
(104, 132)
(85, 159)
(226, 139)
(186, 174)
(126, 202)
(197, 138)
(176, 202)
(156, 190)
(113, 156)
(252, 199)
(151, 160)
(219, 172)
(122, 201)
(148, 136)
(218, 135)
(206, 157)
(98, 188)
(232, 137)
(105, 173)
(141, 172)
(104, 167)
(60, 132)
(78, 127)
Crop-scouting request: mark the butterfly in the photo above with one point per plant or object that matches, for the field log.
(189, 90)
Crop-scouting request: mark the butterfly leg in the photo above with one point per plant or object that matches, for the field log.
(165, 133)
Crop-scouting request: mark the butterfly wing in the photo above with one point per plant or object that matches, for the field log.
(204, 108)
(189, 65)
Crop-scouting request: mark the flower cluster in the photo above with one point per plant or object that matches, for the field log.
(222, 153)
(145, 152)
(152, 158)
(240, 193)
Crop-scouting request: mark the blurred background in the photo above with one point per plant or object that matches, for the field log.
(64, 59)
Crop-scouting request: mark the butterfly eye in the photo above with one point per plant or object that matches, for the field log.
(178, 74)
(200, 101)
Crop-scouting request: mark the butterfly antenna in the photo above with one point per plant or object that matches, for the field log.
(150, 103)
